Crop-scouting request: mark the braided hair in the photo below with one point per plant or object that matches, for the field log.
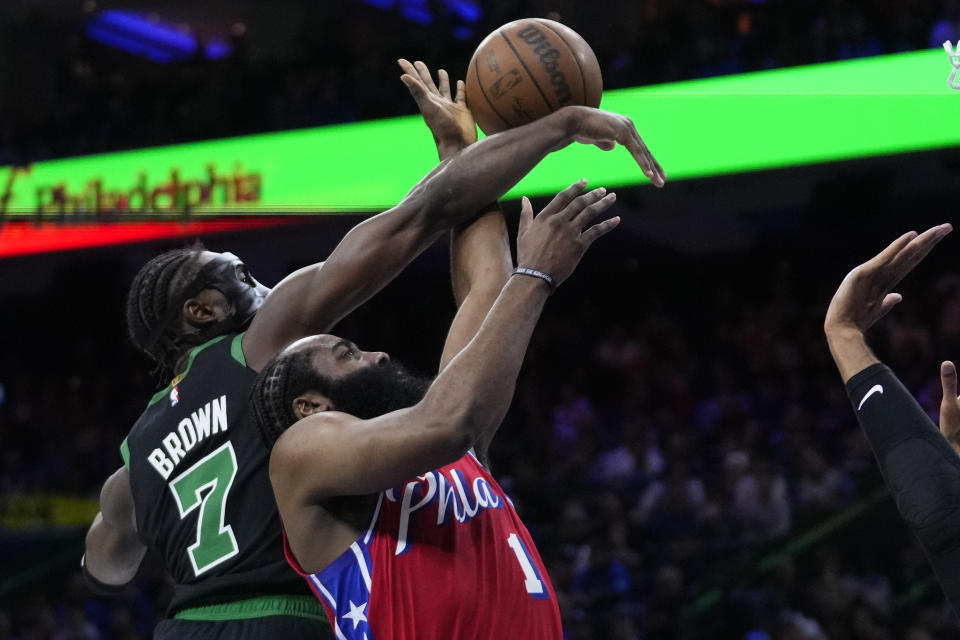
(159, 284)
(279, 383)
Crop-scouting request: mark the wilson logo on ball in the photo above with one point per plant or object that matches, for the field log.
(527, 69)
(548, 56)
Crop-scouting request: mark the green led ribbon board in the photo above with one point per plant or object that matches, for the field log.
(801, 115)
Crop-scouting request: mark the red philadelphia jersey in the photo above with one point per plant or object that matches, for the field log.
(445, 556)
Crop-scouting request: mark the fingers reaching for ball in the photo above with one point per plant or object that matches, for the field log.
(556, 239)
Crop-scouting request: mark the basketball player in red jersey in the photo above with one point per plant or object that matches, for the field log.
(390, 515)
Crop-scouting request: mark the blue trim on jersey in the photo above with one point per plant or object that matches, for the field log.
(345, 586)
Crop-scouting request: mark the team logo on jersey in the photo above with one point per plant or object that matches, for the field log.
(458, 499)
(174, 397)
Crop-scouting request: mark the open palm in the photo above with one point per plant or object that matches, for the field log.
(446, 115)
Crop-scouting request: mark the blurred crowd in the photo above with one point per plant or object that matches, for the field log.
(62, 94)
(685, 457)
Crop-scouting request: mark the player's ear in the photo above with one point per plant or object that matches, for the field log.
(206, 307)
(310, 402)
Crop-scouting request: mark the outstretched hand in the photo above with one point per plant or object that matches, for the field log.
(555, 240)
(866, 294)
(447, 115)
(606, 130)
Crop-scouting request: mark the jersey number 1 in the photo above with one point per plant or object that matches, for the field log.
(532, 581)
(206, 485)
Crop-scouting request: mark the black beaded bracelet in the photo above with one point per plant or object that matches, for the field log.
(524, 271)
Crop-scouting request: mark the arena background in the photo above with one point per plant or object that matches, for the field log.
(679, 446)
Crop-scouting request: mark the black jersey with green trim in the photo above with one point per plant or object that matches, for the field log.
(199, 473)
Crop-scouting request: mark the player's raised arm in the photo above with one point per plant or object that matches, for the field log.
(480, 264)
(314, 299)
(866, 295)
(113, 548)
(919, 464)
(480, 260)
(333, 454)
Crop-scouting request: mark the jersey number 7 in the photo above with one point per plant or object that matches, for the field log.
(206, 485)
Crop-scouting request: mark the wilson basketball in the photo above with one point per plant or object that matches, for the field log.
(527, 69)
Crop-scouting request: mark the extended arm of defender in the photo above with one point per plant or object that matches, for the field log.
(113, 548)
(333, 454)
(314, 299)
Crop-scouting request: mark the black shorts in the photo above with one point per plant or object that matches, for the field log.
(266, 628)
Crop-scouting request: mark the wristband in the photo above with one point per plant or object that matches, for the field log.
(524, 271)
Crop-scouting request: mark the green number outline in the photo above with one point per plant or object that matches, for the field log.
(219, 465)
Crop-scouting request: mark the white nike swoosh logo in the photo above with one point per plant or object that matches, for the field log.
(874, 389)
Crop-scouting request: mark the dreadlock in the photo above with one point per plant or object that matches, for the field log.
(279, 383)
(159, 284)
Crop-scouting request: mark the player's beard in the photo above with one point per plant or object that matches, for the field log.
(377, 389)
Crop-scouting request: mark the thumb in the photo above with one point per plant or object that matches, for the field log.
(948, 380)
(949, 406)
(889, 302)
(526, 214)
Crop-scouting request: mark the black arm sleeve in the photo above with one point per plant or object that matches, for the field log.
(920, 468)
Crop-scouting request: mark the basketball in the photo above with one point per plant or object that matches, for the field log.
(529, 68)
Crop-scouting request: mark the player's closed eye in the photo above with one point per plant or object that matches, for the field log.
(243, 275)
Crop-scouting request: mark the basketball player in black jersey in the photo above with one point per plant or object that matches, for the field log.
(194, 485)
(919, 463)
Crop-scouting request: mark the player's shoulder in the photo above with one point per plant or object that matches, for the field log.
(221, 351)
(214, 372)
(219, 356)
(304, 435)
(310, 441)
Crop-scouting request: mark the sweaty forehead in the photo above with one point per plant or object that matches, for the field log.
(321, 349)
(310, 343)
